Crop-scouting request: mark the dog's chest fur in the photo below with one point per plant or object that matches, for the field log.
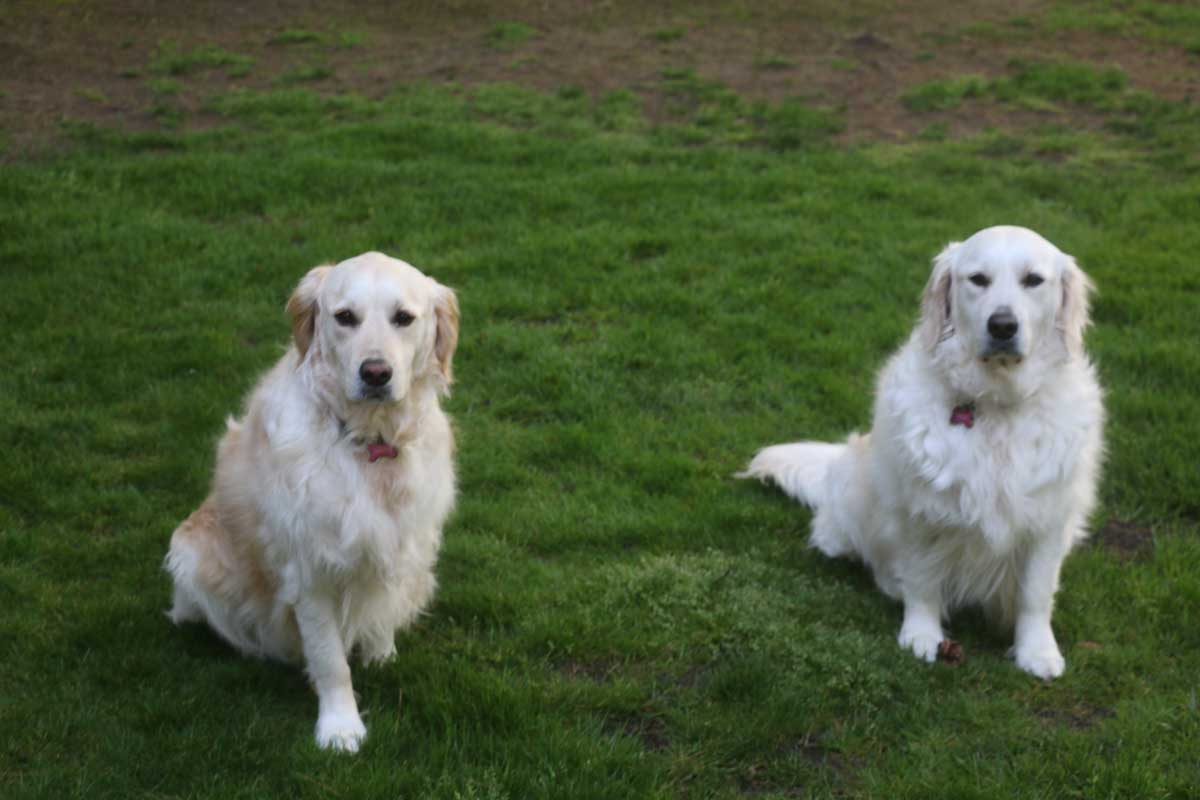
(1007, 476)
(342, 514)
(397, 506)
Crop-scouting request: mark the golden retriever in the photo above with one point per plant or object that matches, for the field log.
(981, 466)
(325, 515)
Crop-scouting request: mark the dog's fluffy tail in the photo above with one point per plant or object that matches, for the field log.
(801, 469)
(826, 477)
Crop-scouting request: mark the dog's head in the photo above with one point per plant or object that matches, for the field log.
(1003, 296)
(377, 326)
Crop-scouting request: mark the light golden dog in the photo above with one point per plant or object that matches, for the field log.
(325, 517)
(981, 466)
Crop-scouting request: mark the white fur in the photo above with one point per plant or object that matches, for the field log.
(304, 548)
(945, 515)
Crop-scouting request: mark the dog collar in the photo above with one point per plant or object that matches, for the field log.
(380, 450)
(376, 450)
(963, 415)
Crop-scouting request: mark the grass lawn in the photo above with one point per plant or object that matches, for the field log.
(643, 306)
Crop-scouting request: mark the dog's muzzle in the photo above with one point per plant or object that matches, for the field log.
(1002, 325)
(1003, 341)
(375, 375)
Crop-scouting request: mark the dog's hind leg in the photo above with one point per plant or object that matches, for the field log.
(844, 521)
(184, 563)
(184, 607)
(209, 582)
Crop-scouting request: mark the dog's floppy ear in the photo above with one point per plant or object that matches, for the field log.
(935, 302)
(1073, 312)
(446, 310)
(302, 307)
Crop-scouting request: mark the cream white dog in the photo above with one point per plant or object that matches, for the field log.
(980, 469)
(325, 515)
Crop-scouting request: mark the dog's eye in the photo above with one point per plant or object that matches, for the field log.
(402, 319)
(346, 318)
(1031, 280)
(979, 279)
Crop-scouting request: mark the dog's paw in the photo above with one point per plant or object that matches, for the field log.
(1045, 663)
(921, 640)
(341, 732)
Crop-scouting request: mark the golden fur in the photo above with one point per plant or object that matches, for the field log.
(312, 544)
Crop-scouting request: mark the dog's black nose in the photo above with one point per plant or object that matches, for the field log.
(375, 372)
(1003, 324)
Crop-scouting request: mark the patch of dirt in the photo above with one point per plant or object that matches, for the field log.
(813, 751)
(1079, 718)
(89, 61)
(648, 729)
(691, 678)
(1128, 541)
(597, 671)
(756, 781)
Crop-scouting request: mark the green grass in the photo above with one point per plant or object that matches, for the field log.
(940, 95)
(294, 36)
(509, 35)
(643, 306)
(1069, 82)
(708, 112)
(1147, 124)
(1176, 23)
(348, 40)
(668, 35)
(1036, 85)
(172, 59)
(92, 95)
(164, 86)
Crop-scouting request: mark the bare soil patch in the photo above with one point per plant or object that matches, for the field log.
(648, 729)
(1080, 718)
(597, 671)
(1128, 541)
(756, 781)
(88, 60)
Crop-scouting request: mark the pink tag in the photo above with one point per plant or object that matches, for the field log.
(381, 450)
(963, 415)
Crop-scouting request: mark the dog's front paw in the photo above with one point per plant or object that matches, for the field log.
(922, 640)
(343, 732)
(1044, 662)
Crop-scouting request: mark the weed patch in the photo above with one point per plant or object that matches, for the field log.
(296, 36)
(1033, 85)
(509, 35)
(945, 94)
(1163, 20)
(172, 59)
(1081, 84)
